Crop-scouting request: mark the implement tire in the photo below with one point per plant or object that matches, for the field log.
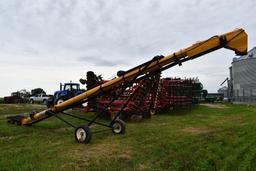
(83, 134)
(118, 126)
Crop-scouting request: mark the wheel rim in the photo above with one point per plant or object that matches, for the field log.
(152, 111)
(81, 134)
(60, 101)
(117, 128)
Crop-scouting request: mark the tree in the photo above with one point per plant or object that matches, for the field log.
(37, 91)
(24, 93)
(205, 93)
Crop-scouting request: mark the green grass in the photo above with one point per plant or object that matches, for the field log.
(203, 138)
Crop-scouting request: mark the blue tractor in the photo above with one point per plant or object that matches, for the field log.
(67, 91)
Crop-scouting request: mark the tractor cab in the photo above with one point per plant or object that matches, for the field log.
(67, 91)
(71, 87)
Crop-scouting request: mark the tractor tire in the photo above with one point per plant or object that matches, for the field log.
(118, 126)
(83, 134)
(59, 101)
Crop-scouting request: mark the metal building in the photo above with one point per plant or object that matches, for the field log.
(243, 78)
(224, 91)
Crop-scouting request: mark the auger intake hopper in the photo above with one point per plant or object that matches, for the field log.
(17, 119)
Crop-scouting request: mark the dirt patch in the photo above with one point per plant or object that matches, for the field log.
(61, 130)
(214, 105)
(143, 167)
(7, 138)
(196, 130)
(201, 116)
(230, 118)
(96, 151)
(233, 118)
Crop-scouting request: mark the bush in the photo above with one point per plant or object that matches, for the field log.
(1, 100)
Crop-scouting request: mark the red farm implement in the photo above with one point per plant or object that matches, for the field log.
(144, 97)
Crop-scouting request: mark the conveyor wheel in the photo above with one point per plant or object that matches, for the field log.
(83, 134)
(118, 126)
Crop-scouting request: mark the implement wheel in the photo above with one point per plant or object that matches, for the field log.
(118, 126)
(152, 111)
(83, 134)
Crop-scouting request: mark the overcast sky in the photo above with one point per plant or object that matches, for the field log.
(45, 42)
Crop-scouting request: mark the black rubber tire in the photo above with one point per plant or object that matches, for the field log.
(118, 126)
(87, 135)
(58, 101)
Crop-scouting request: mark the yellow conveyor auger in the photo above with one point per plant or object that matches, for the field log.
(235, 40)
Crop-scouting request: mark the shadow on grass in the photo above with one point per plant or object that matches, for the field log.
(178, 111)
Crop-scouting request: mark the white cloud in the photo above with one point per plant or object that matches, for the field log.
(43, 42)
